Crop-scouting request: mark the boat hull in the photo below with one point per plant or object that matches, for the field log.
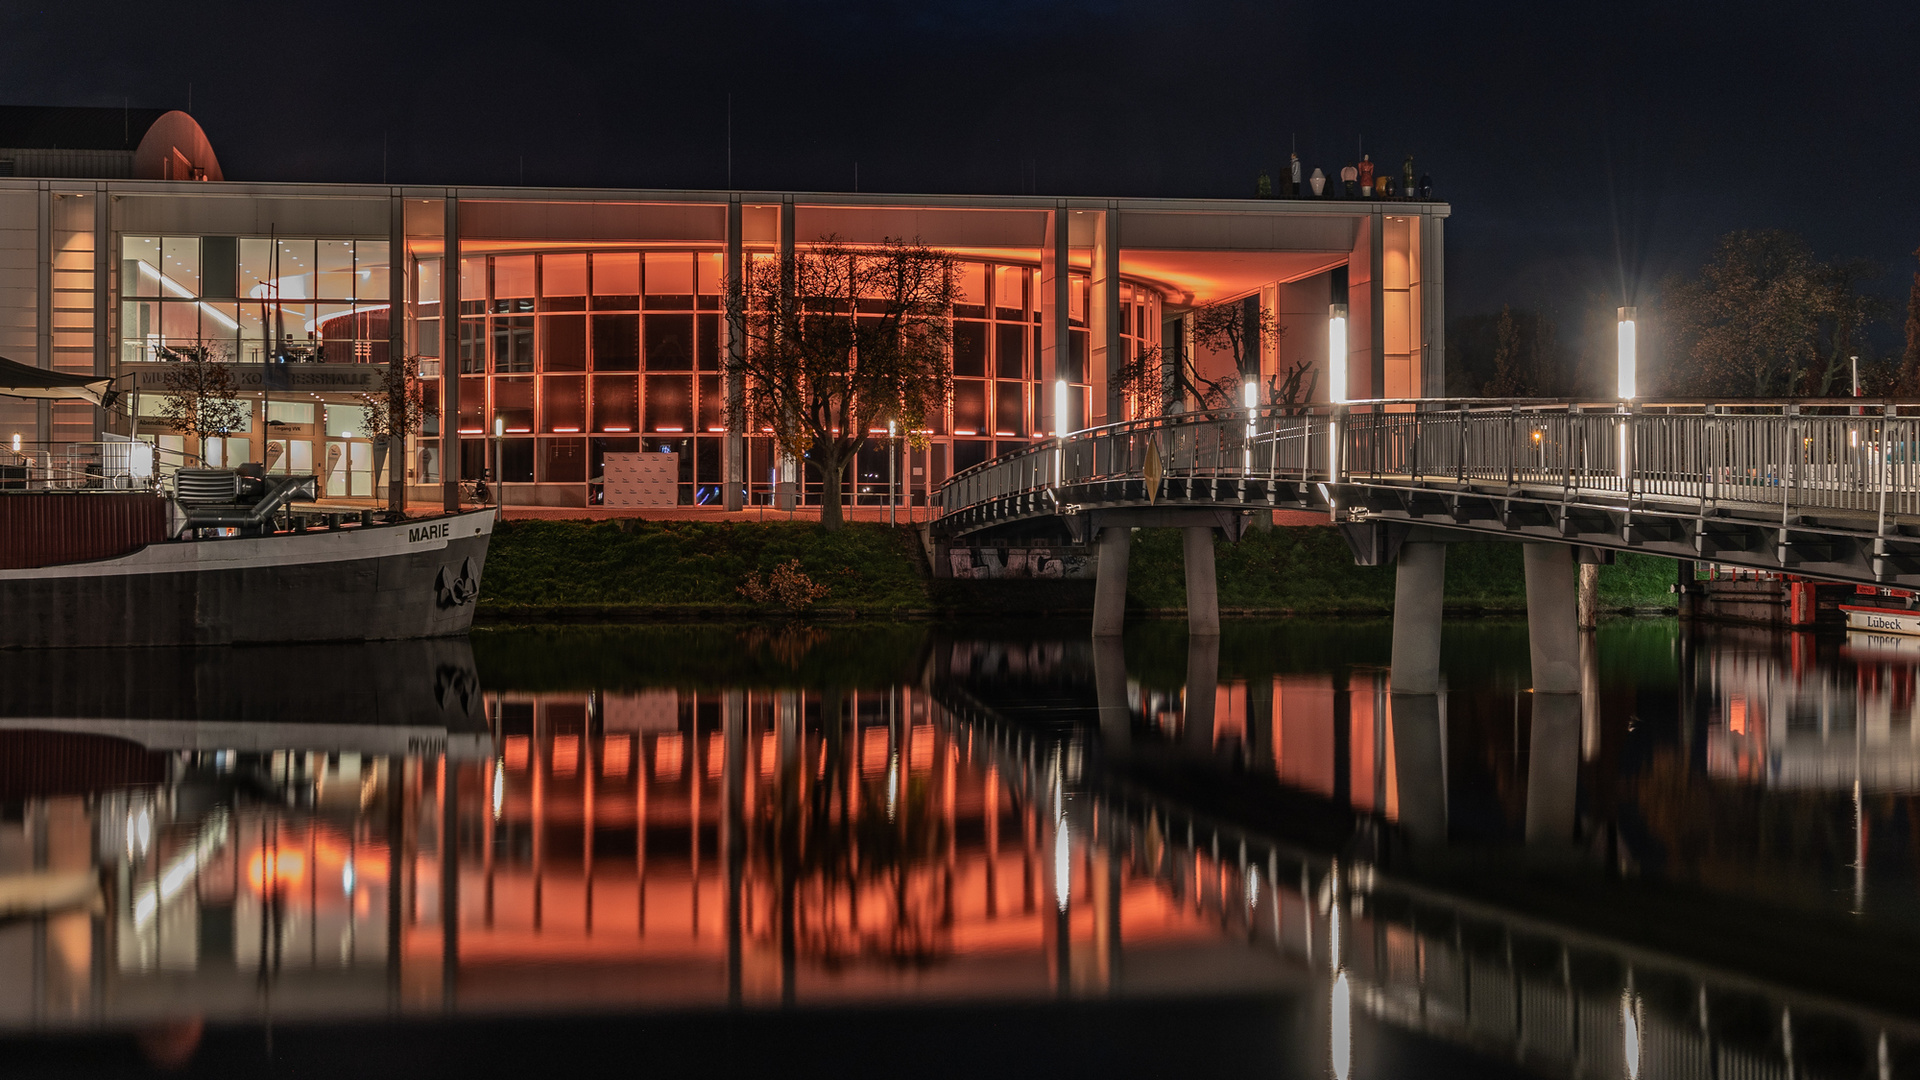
(1882, 620)
(414, 579)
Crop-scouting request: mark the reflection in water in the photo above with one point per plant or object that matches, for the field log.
(974, 816)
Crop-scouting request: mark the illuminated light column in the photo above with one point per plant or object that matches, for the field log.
(1629, 387)
(1336, 381)
(1060, 429)
(1251, 393)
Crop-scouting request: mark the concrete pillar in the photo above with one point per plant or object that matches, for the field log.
(1553, 770)
(1589, 596)
(787, 488)
(1110, 582)
(1110, 687)
(735, 474)
(1105, 316)
(1056, 342)
(102, 267)
(449, 357)
(1203, 687)
(1203, 588)
(397, 308)
(43, 313)
(1420, 760)
(1418, 596)
(1553, 630)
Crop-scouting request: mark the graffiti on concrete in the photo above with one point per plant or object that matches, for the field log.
(982, 563)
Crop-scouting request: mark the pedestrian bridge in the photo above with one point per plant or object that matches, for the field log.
(1824, 489)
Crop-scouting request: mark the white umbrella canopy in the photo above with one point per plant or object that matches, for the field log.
(19, 380)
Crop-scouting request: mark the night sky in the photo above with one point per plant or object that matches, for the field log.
(1588, 149)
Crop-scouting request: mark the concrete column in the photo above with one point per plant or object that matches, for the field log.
(1553, 630)
(43, 312)
(1105, 316)
(1110, 582)
(1377, 306)
(1110, 687)
(1433, 295)
(1203, 588)
(1203, 686)
(1553, 770)
(1420, 766)
(1589, 596)
(450, 357)
(102, 279)
(735, 474)
(1055, 341)
(787, 487)
(1418, 596)
(397, 308)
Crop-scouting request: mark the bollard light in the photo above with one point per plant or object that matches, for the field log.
(1629, 386)
(16, 442)
(1337, 354)
(1060, 427)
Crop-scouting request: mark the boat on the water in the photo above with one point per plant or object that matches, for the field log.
(245, 569)
(107, 552)
(1882, 620)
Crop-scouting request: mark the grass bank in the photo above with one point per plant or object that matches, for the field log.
(633, 569)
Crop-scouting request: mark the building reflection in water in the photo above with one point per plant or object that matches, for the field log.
(513, 852)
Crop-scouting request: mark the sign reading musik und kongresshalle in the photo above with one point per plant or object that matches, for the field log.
(252, 378)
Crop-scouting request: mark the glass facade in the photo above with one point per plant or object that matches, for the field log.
(583, 353)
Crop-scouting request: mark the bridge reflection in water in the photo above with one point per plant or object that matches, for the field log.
(996, 829)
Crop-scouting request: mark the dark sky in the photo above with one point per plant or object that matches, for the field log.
(1587, 149)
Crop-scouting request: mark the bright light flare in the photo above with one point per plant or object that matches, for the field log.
(1341, 1023)
(1062, 864)
(1060, 427)
(1629, 387)
(1630, 1028)
(1337, 354)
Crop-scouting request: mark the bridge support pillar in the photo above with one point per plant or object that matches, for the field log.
(1553, 620)
(1203, 588)
(1203, 690)
(1419, 590)
(1419, 737)
(1110, 688)
(1553, 771)
(1110, 582)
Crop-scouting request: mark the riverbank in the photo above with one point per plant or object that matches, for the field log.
(635, 569)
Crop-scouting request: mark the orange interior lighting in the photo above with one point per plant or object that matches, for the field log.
(282, 869)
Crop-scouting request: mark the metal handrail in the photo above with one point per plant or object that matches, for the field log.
(1803, 456)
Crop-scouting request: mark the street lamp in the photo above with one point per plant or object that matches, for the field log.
(893, 498)
(499, 429)
(1337, 354)
(1628, 374)
(1060, 427)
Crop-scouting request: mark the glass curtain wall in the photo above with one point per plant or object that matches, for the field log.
(584, 353)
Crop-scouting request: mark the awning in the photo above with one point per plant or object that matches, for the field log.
(19, 380)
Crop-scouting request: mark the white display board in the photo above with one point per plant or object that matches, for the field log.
(641, 480)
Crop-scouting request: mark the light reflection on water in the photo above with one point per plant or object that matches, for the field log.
(676, 819)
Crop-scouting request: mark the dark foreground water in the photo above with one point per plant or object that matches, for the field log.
(966, 849)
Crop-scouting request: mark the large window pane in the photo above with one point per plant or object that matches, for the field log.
(564, 461)
(616, 282)
(1009, 411)
(473, 346)
(564, 402)
(563, 283)
(1010, 292)
(344, 421)
(563, 342)
(296, 270)
(180, 323)
(616, 343)
(512, 280)
(709, 342)
(372, 273)
(473, 406)
(256, 266)
(473, 285)
(140, 266)
(333, 263)
(1011, 361)
(669, 402)
(616, 403)
(512, 403)
(516, 461)
(972, 282)
(712, 406)
(180, 263)
(669, 280)
(969, 349)
(669, 342)
(513, 344)
(969, 407)
(711, 274)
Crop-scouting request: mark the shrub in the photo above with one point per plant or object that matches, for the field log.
(788, 586)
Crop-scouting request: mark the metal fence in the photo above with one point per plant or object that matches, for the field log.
(1800, 456)
(112, 465)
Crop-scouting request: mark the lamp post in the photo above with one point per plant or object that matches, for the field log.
(893, 498)
(1627, 371)
(1336, 382)
(499, 429)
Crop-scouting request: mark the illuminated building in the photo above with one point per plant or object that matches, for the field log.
(590, 321)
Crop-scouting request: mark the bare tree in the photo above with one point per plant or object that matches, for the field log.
(399, 409)
(1156, 378)
(198, 401)
(839, 339)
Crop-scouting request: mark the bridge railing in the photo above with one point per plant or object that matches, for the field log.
(1799, 455)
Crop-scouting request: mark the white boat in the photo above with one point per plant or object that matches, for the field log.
(1879, 620)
